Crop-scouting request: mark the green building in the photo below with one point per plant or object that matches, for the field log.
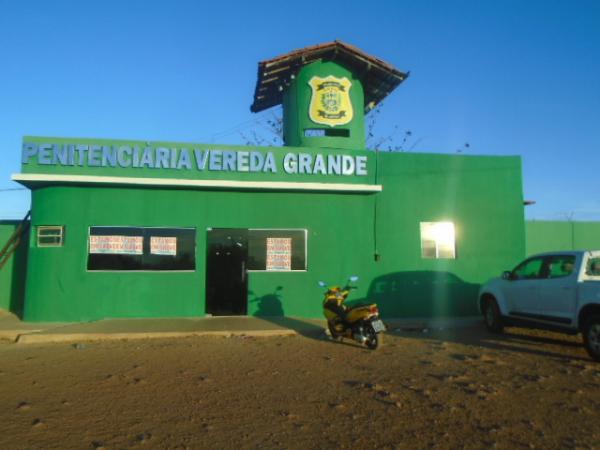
(168, 229)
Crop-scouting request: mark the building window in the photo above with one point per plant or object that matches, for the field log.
(438, 240)
(50, 236)
(277, 250)
(141, 248)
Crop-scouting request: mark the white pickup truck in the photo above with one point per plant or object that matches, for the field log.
(559, 291)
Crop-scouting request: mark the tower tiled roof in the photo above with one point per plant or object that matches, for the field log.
(378, 77)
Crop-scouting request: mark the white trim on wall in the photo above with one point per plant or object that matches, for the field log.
(178, 182)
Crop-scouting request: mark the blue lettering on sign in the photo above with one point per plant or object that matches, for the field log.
(109, 156)
(95, 156)
(124, 156)
(184, 159)
(257, 161)
(172, 158)
(162, 158)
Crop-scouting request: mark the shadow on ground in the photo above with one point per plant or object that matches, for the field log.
(432, 294)
(512, 340)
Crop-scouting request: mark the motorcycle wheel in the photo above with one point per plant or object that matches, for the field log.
(373, 339)
(334, 335)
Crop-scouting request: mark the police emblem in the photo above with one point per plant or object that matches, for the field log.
(330, 101)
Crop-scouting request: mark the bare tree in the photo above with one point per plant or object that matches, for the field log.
(396, 141)
(464, 148)
(268, 131)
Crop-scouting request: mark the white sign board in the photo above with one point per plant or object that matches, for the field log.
(160, 245)
(120, 245)
(279, 254)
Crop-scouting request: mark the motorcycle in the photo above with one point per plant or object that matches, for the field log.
(360, 323)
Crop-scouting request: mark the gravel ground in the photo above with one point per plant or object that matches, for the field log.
(454, 388)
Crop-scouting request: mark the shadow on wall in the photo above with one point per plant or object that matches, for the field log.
(269, 307)
(423, 294)
(16, 266)
(17, 295)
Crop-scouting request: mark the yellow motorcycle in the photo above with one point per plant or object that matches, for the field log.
(360, 323)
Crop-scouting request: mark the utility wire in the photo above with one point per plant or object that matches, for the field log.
(235, 128)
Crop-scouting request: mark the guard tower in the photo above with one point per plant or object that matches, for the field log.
(326, 90)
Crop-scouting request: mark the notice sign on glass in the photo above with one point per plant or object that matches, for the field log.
(160, 245)
(279, 254)
(121, 245)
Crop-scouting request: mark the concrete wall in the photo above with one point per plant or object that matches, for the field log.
(545, 236)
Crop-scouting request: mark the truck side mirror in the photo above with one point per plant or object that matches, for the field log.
(507, 275)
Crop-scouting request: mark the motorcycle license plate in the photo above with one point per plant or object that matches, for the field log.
(378, 326)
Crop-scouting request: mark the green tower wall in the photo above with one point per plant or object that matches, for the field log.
(296, 103)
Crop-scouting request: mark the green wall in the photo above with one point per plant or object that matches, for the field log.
(546, 236)
(481, 195)
(12, 274)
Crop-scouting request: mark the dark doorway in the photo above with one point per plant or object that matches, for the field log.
(226, 272)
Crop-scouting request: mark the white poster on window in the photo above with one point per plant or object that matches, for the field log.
(160, 245)
(279, 254)
(117, 245)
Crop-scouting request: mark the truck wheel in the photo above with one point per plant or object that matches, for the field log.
(591, 337)
(491, 316)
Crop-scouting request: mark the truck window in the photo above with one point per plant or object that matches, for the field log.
(593, 267)
(528, 270)
(560, 266)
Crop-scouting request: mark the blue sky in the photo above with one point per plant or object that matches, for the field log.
(508, 77)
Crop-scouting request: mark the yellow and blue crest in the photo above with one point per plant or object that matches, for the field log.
(330, 101)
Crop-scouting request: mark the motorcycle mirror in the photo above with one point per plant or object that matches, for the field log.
(353, 278)
(322, 284)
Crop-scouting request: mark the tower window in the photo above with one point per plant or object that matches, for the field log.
(328, 132)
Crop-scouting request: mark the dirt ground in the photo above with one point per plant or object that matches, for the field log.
(456, 388)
